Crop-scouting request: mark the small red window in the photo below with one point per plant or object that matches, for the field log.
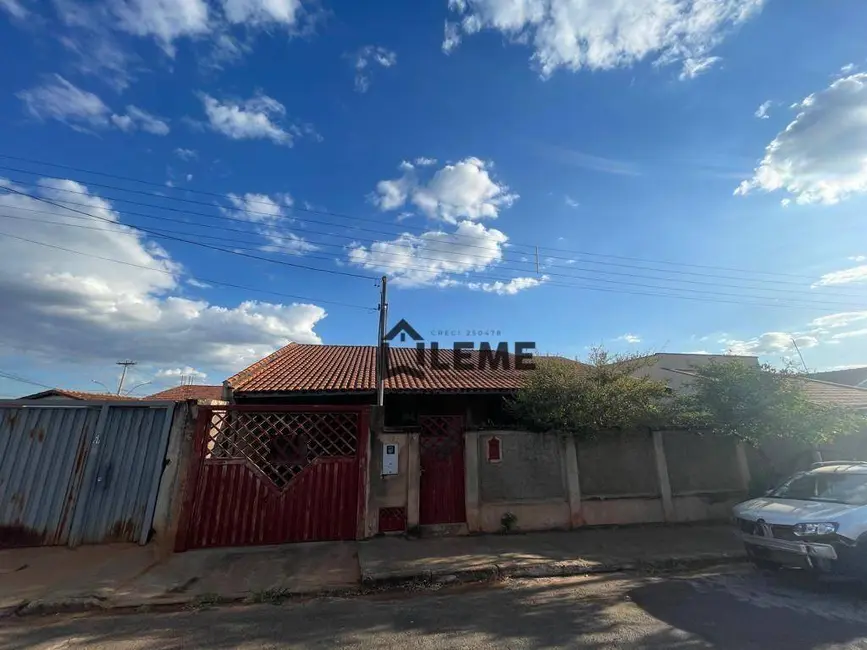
(495, 453)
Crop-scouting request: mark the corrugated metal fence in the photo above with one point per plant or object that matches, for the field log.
(80, 474)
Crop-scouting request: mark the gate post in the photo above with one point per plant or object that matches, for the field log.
(197, 457)
(363, 451)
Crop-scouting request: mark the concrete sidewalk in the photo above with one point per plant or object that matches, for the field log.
(546, 554)
(128, 576)
(110, 576)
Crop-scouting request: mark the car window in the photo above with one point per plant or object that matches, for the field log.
(838, 488)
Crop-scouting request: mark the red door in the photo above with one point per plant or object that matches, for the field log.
(441, 451)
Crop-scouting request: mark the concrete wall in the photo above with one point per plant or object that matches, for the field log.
(628, 478)
(393, 491)
(618, 465)
(529, 481)
(552, 482)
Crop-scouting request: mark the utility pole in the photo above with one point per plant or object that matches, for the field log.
(798, 350)
(382, 346)
(126, 364)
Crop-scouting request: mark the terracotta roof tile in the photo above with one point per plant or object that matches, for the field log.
(339, 368)
(193, 391)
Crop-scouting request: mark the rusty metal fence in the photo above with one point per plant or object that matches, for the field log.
(80, 474)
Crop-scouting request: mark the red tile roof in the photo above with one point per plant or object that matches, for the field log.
(352, 368)
(79, 395)
(192, 391)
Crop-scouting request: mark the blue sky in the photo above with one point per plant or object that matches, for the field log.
(439, 143)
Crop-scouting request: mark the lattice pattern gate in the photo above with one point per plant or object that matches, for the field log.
(271, 475)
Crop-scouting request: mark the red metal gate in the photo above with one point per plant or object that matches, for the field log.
(276, 474)
(441, 451)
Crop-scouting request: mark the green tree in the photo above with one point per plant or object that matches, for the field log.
(607, 392)
(754, 402)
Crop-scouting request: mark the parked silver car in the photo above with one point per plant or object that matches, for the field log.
(817, 519)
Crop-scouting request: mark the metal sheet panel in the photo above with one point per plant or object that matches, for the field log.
(122, 477)
(43, 453)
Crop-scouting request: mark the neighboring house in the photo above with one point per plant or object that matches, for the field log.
(187, 392)
(674, 368)
(821, 392)
(63, 395)
(850, 376)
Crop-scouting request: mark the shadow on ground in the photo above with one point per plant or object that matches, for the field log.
(587, 612)
(748, 610)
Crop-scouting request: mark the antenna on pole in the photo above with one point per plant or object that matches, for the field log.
(803, 363)
(126, 364)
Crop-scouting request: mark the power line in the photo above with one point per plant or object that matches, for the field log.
(487, 261)
(796, 297)
(199, 278)
(351, 217)
(13, 377)
(708, 296)
(193, 243)
(452, 240)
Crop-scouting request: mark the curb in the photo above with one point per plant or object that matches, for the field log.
(550, 570)
(375, 583)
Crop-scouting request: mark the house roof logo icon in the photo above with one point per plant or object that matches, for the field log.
(403, 329)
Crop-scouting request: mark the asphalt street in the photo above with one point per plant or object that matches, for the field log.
(735, 608)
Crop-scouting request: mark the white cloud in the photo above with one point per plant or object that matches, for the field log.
(14, 8)
(842, 319)
(365, 58)
(198, 284)
(821, 156)
(60, 100)
(80, 308)
(693, 67)
(430, 258)
(177, 373)
(262, 12)
(854, 275)
(165, 20)
(424, 162)
(850, 334)
(465, 189)
(857, 258)
(632, 339)
(257, 118)
(269, 212)
(770, 343)
(136, 118)
(577, 34)
(509, 288)
(572, 203)
(762, 110)
(849, 68)
(186, 154)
